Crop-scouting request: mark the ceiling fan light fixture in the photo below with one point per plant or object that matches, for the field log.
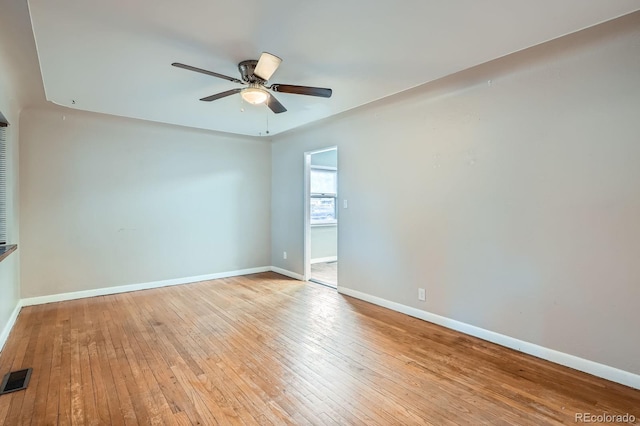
(255, 74)
(254, 95)
(267, 65)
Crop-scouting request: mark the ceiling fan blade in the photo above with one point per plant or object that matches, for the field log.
(302, 90)
(267, 65)
(211, 73)
(274, 105)
(221, 95)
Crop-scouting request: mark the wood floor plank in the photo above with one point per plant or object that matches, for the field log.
(52, 396)
(124, 380)
(83, 327)
(267, 350)
(163, 358)
(64, 392)
(77, 406)
(35, 397)
(155, 403)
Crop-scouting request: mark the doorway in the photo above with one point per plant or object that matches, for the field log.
(321, 216)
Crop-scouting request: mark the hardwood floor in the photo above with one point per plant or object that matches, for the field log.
(265, 349)
(326, 273)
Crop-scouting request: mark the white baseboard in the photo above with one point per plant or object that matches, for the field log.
(135, 287)
(7, 328)
(325, 259)
(286, 273)
(39, 300)
(581, 364)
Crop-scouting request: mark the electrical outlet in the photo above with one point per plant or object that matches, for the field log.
(422, 294)
(284, 254)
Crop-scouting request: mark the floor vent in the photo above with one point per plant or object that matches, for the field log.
(15, 381)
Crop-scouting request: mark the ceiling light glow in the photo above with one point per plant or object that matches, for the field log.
(254, 95)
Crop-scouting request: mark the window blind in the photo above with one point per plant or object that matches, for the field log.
(3, 183)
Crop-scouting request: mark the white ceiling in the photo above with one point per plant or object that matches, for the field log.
(114, 56)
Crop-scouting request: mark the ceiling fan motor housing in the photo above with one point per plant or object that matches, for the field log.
(246, 69)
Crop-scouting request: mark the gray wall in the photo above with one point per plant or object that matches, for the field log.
(509, 191)
(324, 242)
(10, 266)
(20, 85)
(109, 201)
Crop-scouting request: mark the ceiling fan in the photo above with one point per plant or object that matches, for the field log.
(255, 74)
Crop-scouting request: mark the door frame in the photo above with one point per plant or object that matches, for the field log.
(307, 209)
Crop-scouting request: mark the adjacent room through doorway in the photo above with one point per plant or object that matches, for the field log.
(322, 216)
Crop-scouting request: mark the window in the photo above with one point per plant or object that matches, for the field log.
(3, 183)
(324, 192)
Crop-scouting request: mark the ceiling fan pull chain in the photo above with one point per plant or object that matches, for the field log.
(267, 114)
